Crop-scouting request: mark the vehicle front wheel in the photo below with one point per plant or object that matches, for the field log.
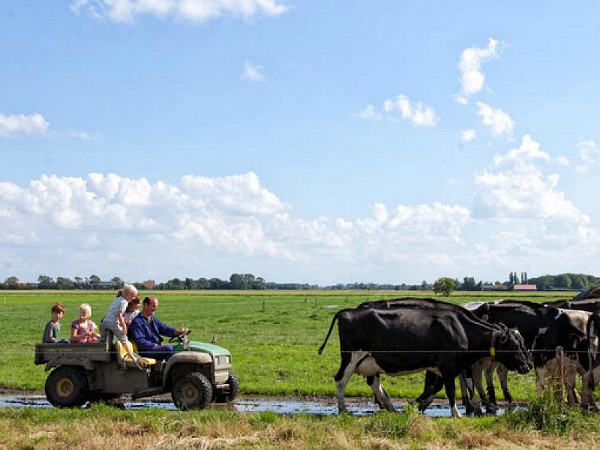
(67, 387)
(231, 394)
(192, 391)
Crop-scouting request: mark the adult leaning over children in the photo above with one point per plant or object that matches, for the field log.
(115, 322)
(147, 331)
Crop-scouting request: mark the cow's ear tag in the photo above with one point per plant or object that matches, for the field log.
(493, 351)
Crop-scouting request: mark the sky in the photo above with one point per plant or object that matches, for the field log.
(300, 141)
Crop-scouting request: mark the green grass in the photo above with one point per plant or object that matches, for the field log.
(101, 426)
(273, 336)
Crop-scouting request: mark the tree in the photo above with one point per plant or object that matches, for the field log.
(563, 281)
(11, 283)
(46, 282)
(241, 281)
(468, 284)
(64, 283)
(78, 282)
(202, 283)
(94, 280)
(118, 282)
(444, 286)
(190, 284)
(259, 283)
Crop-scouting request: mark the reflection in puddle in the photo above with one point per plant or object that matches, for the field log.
(278, 405)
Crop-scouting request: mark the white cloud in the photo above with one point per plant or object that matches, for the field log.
(499, 123)
(525, 154)
(472, 78)
(252, 72)
(193, 10)
(402, 108)
(108, 221)
(562, 160)
(522, 190)
(34, 125)
(369, 113)
(589, 154)
(467, 135)
(214, 226)
(20, 124)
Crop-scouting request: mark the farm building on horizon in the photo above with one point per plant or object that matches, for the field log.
(525, 287)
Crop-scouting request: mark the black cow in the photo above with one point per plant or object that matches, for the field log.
(432, 384)
(543, 328)
(410, 339)
(588, 293)
(466, 379)
(586, 304)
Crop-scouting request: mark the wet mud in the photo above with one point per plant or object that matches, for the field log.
(246, 404)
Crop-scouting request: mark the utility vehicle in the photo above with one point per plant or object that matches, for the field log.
(197, 374)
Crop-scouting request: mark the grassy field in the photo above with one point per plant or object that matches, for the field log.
(273, 337)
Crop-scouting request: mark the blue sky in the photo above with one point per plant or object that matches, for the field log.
(317, 142)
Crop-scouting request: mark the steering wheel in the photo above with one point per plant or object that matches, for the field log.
(179, 338)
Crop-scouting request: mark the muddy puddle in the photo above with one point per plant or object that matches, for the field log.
(278, 405)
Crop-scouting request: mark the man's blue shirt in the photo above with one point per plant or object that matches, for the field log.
(147, 335)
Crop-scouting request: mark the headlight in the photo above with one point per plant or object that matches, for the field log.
(223, 359)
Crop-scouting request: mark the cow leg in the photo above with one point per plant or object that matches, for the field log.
(467, 386)
(347, 367)
(570, 370)
(451, 394)
(590, 379)
(489, 381)
(464, 389)
(477, 383)
(370, 379)
(433, 384)
(381, 397)
(503, 376)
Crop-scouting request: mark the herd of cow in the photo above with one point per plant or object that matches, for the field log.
(408, 335)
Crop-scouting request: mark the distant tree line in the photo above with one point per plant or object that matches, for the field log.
(237, 281)
(565, 281)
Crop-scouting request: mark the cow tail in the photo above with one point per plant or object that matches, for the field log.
(329, 332)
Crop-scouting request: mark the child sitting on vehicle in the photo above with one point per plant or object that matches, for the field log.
(52, 330)
(115, 322)
(83, 330)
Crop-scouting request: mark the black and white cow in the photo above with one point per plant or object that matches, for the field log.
(432, 384)
(584, 305)
(543, 328)
(410, 339)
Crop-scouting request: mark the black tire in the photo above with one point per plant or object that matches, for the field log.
(234, 390)
(192, 391)
(67, 387)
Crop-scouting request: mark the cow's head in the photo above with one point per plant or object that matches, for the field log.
(509, 348)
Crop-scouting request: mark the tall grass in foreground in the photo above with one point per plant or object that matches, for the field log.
(104, 426)
(548, 415)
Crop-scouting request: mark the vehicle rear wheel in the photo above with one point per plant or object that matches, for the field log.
(192, 391)
(234, 390)
(67, 387)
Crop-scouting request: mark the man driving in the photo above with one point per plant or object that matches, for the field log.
(147, 331)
